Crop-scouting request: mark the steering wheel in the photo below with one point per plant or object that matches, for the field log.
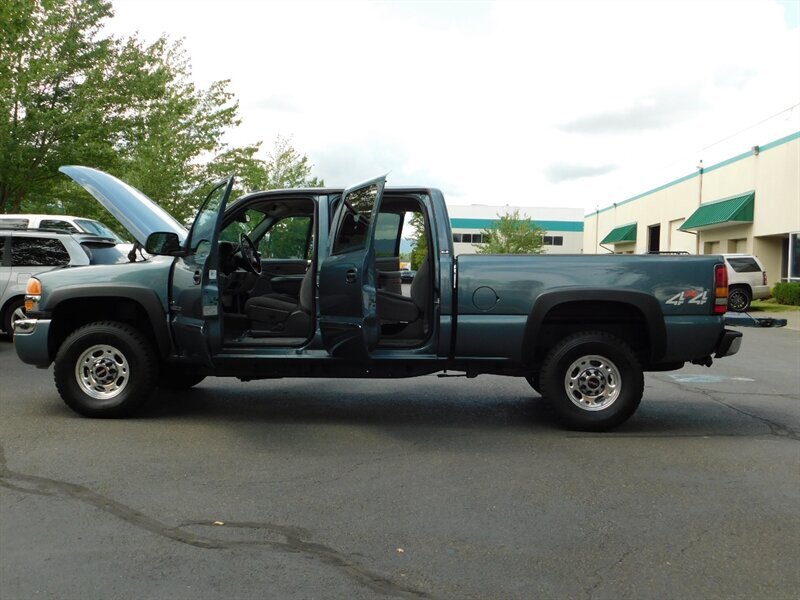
(252, 260)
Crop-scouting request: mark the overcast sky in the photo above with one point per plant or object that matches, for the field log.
(567, 104)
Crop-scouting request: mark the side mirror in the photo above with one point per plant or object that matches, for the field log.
(164, 243)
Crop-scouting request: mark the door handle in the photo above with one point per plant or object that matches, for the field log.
(350, 276)
(197, 277)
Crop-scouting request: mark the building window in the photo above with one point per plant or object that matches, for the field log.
(553, 240)
(794, 257)
(468, 238)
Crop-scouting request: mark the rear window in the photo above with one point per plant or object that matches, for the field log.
(744, 265)
(38, 252)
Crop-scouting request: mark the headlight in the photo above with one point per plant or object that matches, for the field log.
(33, 293)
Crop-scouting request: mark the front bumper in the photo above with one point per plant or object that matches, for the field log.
(31, 341)
(729, 344)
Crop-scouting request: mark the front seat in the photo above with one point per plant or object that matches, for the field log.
(396, 308)
(281, 314)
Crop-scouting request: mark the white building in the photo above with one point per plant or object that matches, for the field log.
(563, 226)
(749, 203)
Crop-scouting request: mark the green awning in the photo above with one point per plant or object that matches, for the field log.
(738, 209)
(621, 234)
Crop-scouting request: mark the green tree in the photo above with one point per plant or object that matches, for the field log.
(71, 96)
(512, 235)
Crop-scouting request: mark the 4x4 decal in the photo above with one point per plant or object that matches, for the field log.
(690, 296)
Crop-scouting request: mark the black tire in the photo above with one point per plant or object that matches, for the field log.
(105, 370)
(592, 380)
(14, 311)
(177, 377)
(739, 299)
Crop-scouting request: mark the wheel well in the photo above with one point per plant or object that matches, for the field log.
(622, 320)
(6, 306)
(69, 315)
(743, 286)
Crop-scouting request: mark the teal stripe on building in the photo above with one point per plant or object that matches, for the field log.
(489, 223)
(724, 163)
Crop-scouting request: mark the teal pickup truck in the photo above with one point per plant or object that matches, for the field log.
(306, 283)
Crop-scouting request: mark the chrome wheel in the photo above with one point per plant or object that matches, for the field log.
(593, 382)
(17, 315)
(102, 372)
(738, 300)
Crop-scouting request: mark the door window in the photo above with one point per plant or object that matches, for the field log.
(206, 221)
(356, 217)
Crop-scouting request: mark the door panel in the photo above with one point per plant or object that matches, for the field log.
(347, 278)
(280, 276)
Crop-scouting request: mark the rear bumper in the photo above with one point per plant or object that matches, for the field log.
(31, 341)
(761, 291)
(729, 344)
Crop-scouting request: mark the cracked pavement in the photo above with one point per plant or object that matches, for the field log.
(419, 488)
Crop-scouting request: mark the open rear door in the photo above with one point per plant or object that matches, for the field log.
(347, 277)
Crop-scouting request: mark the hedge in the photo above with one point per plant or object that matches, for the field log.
(787, 293)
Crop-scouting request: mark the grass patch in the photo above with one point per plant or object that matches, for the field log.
(771, 306)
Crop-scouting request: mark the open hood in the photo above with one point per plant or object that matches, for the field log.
(137, 213)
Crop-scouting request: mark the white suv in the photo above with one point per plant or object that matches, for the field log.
(57, 223)
(747, 280)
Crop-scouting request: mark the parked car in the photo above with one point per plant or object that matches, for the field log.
(25, 252)
(66, 223)
(407, 275)
(747, 280)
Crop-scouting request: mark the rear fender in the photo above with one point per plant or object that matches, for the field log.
(641, 305)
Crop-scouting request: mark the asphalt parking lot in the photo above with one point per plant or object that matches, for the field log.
(428, 487)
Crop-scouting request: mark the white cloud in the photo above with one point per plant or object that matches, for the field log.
(488, 99)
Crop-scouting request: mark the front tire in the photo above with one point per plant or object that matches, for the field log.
(592, 380)
(15, 311)
(105, 370)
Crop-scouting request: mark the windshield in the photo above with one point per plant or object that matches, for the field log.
(97, 228)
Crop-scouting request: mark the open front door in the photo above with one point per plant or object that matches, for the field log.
(347, 278)
(194, 302)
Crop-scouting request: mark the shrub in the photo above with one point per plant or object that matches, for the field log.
(787, 293)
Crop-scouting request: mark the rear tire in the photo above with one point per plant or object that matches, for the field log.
(739, 299)
(105, 370)
(592, 380)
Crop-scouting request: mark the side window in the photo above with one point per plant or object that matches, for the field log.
(288, 238)
(57, 224)
(354, 225)
(38, 252)
(387, 234)
(14, 223)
